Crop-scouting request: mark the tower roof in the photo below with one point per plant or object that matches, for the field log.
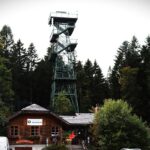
(63, 17)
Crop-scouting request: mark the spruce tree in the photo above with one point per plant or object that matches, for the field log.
(115, 75)
(32, 58)
(18, 59)
(6, 92)
(7, 37)
(144, 80)
(99, 87)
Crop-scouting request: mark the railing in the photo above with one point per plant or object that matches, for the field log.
(61, 46)
(73, 41)
(63, 14)
(84, 145)
(54, 31)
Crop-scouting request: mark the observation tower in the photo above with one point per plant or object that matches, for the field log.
(62, 55)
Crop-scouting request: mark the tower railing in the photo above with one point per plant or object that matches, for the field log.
(63, 14)
(62, 55)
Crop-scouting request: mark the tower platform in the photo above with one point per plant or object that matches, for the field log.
(62, 17)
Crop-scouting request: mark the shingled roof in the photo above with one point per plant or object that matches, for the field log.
(79, 119)
(34, 107)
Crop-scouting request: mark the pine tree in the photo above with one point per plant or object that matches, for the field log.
(115, 75)
(132, 55)
(130, 88)
(42, 80)
(87, 84)
(144, 80)
(80, 84)
(18, 59)
(92, 87)
(6, 92)
(32, 58)
(99, 86)
(127, 56)
(7, 37)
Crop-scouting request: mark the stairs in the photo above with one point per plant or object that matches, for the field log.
(75, 147)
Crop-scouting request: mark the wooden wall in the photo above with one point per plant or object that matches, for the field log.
(24, 130)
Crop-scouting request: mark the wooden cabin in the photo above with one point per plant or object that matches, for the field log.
(35, 125)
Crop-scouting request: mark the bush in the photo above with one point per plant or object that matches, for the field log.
(116, 127)
(55, 147)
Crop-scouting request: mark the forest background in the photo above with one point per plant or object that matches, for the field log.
(26, 79)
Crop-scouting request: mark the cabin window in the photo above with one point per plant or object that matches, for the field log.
(35, 130)
(14, 131)
(54, 131)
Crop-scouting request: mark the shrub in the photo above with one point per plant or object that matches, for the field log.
(55, 147)
(115, 127)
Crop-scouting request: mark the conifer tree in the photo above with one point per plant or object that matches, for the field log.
(7, 37)
(42, 80)
(18, 60)
(115, 75)
(99, 87)
(144, 80)
(6, 92)
(32, 58)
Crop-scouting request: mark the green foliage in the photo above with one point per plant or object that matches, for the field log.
(100, 89)
(92, 87)
(18, 60)
(18, 57)
(42, 77)
(6, 93)
(115, 73)
(116, 127)
(132, 57)
(130, 87)
(4, 114)
(23, 64)
(29, 76)
(31, 79)
(1, 44)
(32, 58)
(127, 56)
(7, 38)
(55, 147)
(144, 80)
(130, 76)
(80, 79)
(62, 104)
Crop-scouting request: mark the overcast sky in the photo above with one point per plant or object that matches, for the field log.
(101, 28)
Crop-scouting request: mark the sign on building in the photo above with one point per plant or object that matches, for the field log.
(34, 122)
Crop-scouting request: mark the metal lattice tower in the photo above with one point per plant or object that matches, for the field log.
(62, 55)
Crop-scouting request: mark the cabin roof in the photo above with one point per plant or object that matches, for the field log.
(34, 107)
(79, 119)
